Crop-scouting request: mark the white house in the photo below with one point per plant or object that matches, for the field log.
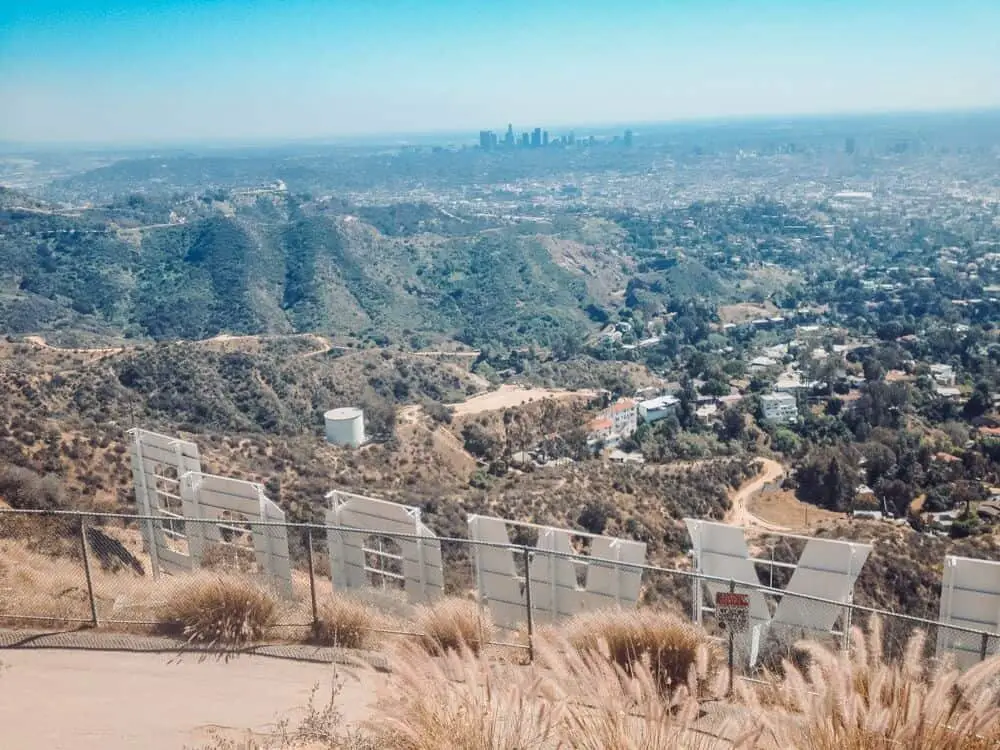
(658, 408)
(779, 407)
(943, 374)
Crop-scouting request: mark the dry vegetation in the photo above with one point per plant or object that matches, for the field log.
(782, 508)
(858, 699)
(608, 680)
(256, 416)
(583, 698)
(227, 611)
(345, 622)
(453, 625)
(667, 646)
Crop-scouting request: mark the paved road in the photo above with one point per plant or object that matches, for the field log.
(87, 700)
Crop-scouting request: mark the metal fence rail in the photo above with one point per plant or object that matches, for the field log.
(92, 568)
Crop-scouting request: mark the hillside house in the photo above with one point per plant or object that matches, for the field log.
(620, 420)
(760, 365)
(655, 409)
(943, 375)
(624, 414)
(779, 408)
(600, 430)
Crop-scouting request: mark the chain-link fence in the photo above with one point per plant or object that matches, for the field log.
(100, 569)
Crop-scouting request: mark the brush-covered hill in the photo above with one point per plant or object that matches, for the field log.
(257, 414)
(190, 268)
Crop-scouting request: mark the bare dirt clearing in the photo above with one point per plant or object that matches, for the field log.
(510, 396)
(746, 311)
(784, 509)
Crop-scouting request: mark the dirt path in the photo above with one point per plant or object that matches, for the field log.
(88, 700)
(739, 514)
(41, 343)
(323, 345)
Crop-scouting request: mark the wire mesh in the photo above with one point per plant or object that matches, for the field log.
(69, 567)
(42, 577)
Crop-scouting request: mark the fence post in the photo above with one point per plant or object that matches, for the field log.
(312, 576)
(732, 635)
(984, 646)
(527, 602)
(86, 570)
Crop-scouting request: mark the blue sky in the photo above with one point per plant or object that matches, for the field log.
(154, 70)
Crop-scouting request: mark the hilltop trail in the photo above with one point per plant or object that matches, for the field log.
(323, 345)
(739, 514)
(93, 700)
(41, 343)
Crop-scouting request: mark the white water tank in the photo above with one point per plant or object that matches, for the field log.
(345, 426)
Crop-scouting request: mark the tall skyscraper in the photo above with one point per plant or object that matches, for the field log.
(486, 139)
(508, 139)
(628, 138)
(545, 137)
(536, 137)
(525, 139)
(571, 139)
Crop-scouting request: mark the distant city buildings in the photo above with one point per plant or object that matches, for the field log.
(489, 140)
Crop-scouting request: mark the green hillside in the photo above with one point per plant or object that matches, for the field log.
(276, 266)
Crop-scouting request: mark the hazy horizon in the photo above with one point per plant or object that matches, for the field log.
(179, 72)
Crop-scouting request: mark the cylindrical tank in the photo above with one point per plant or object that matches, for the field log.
(345, 426)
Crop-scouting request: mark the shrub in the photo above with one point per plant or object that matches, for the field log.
(347, 623)
(674, 650)
(453, 625)
(461, 702)
(218, 610)
(608, 707)
(24, 488)
(857, 700)
(569, 699)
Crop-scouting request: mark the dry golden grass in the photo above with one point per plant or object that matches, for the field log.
(453, 624)
(46, 587)
(675, 651)
(567, 699)
(462, 701)
(857, 701)
(347, 622)
(219, 610)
